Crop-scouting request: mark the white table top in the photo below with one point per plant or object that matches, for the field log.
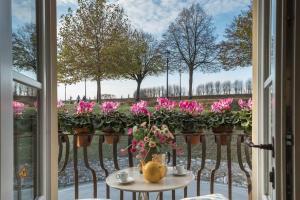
(170, 182)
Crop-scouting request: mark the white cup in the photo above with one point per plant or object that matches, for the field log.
(122, 176)
(179, 169)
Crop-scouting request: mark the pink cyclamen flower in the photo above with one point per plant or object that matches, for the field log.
(85, 107)
(140, 108)
(222, 105)
(245, 105)
(18, 107)
(191, 107)
(165, 103)
(60, 104)
(109, 106)
(130, 131)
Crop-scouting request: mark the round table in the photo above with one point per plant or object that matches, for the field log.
(170, 182)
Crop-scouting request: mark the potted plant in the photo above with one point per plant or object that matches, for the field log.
(244, 116)
(81, 123)
(221, 119)
(64, 122)
(111, 122)
(25, 118)
(191, 120)
(166, 114)
(139, 113)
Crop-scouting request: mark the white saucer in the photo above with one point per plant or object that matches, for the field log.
(182, 174)
(129, 180)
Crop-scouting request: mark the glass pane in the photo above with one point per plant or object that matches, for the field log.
(25, 141)
(272, 36)
(24, 37)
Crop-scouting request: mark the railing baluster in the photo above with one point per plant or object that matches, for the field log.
(87, 165)
(218, 161)
(229, 166)
(203, 159)
(60, 147)
(75, 163)
(239, 155)
(100, 151)
(161, 196)
(130, 161)
(189, 159)
(67, 154)
(174, 160)
(247, 155)
(115, 153)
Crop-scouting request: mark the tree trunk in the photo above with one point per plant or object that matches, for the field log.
(65, 92)
(138, 90)
(191, 73)
(98, 90)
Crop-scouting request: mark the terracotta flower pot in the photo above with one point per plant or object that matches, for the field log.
(82, 139)
(110, 135)
(194, 138)
(224, 133)
(110, 138)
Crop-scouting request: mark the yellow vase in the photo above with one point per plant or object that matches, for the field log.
(153, 171)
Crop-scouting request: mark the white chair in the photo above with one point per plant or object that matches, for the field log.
(208, 197)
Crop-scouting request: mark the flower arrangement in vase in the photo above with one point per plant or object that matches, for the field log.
(81, 123)
(111, 122)
(148, 142)
(192, 120)
(221, 119)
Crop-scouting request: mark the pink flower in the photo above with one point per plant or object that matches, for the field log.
(222, 105)
(123, 152)
(146, 139)
(140, 108)
(84, 107)
(18, 107)
(109, 106)
(191, 107)
(60, 104)
(165, 103)
(141, 144)
(162, 139)
(152, 144)
(130, 131)
(133, 150)
(134, 142)
(245, 105)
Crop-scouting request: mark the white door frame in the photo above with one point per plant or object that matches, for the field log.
(259, 59)
(295, 102)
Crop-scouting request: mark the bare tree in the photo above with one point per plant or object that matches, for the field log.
(249, 86)
(218, 87)
(144, 58)
(191, 40)
(226, 86)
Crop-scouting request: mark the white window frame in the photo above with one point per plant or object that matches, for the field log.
(48, 144)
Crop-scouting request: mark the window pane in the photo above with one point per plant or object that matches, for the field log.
(25, 141)
(24, 38)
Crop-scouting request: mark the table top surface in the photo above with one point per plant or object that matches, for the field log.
(170, 182)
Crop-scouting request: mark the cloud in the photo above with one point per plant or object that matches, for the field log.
(23, 11)
(154, 16)
(62, 2)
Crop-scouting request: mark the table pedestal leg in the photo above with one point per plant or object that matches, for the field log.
(143, 196)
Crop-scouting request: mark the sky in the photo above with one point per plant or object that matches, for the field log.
(154, 16)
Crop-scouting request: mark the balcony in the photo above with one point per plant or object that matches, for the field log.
(218, 167)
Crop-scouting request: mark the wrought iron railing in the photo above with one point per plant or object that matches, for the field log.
(67, 144)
